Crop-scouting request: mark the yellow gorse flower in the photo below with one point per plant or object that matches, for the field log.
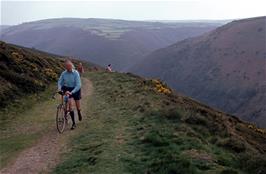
(262, 131)
(160, 87)
(50, 73)
(17, 57)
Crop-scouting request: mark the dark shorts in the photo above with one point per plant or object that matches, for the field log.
(76, 95)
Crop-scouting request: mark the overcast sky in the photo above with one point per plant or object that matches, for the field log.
(16, 12)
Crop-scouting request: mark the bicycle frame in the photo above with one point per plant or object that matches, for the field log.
(62, 112)
(64, 100)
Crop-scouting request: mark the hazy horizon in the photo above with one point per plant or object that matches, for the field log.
(17, 12)
(148, 20)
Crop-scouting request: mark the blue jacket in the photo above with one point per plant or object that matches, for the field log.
(70, 79)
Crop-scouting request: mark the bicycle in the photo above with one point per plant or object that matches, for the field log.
(62, 113)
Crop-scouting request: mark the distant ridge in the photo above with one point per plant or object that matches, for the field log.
(102, 41)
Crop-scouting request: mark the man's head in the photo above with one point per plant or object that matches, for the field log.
(68, 65)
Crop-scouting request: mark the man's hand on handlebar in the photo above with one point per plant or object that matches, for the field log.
(68, 93)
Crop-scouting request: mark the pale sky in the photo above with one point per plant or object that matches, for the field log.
(16, 12)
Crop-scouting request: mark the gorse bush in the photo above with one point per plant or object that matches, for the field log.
(160, 87)
(25, 71)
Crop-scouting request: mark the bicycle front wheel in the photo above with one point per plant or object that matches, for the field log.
(60, 119)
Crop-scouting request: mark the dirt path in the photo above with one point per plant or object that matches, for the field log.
(44, 155)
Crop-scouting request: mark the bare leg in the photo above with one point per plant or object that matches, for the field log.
(78, 109)
(62, 99)
(70, 101)
(77, 104)
(72, 114)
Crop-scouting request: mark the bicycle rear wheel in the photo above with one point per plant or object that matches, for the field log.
(60, 119)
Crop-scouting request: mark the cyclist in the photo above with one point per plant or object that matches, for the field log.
(80, 68)
(70, 83)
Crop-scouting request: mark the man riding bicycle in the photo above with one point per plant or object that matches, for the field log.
(70, 84)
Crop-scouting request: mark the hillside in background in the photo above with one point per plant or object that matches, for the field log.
(103, 41)
(225, 68)
(4, 27)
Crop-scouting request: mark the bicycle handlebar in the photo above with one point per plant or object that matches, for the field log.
(60, 92)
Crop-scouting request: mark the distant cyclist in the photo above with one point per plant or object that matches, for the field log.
(109, 68)
(70, 83)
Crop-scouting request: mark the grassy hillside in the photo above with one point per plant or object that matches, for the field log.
(139, 126)
(27, 83)
(131, 125)
(25, 71)
(27, 78)
(224, 68)
(26, 74)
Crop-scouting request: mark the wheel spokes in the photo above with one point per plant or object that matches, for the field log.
(60, 120)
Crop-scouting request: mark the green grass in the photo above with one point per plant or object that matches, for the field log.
(11, 146)
(101, 145)
(27, 82)
(23, 122)
(128, 127)
(133, 129)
